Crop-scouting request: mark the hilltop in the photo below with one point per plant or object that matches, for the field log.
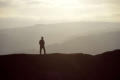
(79, 66)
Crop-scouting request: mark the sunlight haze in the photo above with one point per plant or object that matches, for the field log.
(88, 26)
(51, 11)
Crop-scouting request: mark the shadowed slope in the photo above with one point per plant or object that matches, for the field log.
(60, 66)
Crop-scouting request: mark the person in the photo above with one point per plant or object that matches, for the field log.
(42, 45)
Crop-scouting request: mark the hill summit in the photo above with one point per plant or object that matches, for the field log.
(60, 66)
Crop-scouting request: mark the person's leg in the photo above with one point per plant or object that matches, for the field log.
(44, 50)
(40, 50)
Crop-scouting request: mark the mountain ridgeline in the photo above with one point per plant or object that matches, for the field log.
(73, 37)
(58, 66)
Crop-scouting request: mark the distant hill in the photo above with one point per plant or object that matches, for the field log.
(91, 44)
(60, 66)
(84, 37)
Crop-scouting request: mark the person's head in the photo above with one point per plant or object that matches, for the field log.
(42, 38)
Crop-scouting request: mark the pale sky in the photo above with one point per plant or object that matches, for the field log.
(61, 10)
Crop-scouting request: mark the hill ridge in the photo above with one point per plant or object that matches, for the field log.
(60, 66)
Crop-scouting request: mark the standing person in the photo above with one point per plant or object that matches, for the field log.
(42, 45)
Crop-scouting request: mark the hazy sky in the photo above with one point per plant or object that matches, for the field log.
(61, 10)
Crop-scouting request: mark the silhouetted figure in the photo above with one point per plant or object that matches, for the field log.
(42, 45)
